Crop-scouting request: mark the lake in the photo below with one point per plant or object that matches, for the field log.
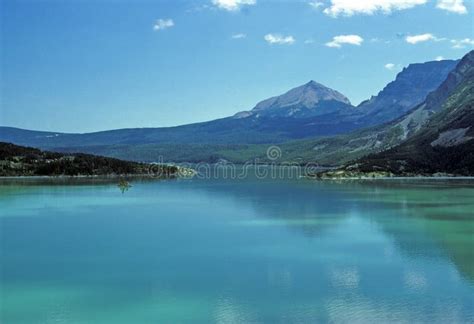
(237, 251)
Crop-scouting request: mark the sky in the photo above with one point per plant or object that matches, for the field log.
(83, 65)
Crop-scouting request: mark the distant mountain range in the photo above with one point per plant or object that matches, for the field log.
(308, 111)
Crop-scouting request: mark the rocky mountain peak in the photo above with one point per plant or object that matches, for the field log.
(303, 100)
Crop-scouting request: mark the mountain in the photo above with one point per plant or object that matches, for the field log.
(409, 89)
(309, 100)
(308, 111)
(443, 144)
(340, 149)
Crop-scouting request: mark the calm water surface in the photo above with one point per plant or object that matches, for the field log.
(237, 251)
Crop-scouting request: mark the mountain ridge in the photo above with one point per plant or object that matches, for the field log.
(404, 93)
(335, 118)
(444, 144)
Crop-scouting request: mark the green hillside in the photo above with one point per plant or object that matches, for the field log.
(25, 161)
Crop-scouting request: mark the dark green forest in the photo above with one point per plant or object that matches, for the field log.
(26, 161)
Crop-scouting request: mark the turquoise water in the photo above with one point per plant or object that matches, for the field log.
(237, 251)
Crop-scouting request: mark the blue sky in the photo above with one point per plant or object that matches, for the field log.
(79, 65)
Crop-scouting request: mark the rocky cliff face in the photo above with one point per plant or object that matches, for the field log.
(463, 71)
(409, 89)
(342, 149)
(444, 144)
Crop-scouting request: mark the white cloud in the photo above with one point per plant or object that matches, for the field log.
(420, 38)
(456, 6)
(439, 58)
(390, 66)
(279, 39)
(462, 43)
(369, 7)
(239, 36)
(338, 41)
(233, 5)
(161, 24)
(316, 4)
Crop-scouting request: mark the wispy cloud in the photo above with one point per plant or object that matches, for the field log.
(389, 66)
(338, 41)
(439, 58)
(239, 36)
(279, 39)
(369, 7)
(414, 39)
(456, 6)
(161, 24)
(315, 4)
(462, 43)
(233, 5)
(456, 43)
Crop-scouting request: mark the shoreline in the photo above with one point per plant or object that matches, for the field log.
(394, 178)
(147, 176)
